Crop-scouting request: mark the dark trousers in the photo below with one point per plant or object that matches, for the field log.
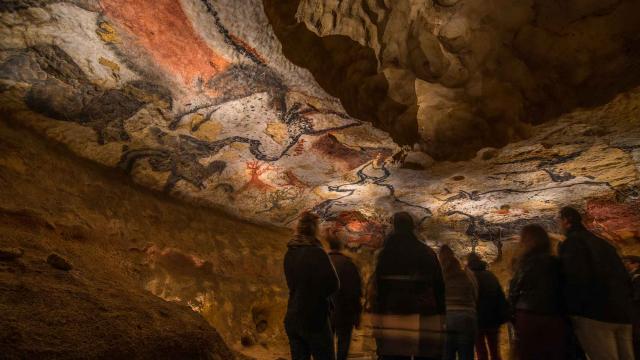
(636, 338)
(461, 335)
(540, 336)
(343, 342)
(487, 344)
(305, 343)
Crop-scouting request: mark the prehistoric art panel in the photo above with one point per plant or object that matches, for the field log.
(195, 98)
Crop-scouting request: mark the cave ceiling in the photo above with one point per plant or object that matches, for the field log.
(269, 108)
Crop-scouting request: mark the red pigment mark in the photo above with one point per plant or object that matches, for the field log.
(613, 220)
(346, 157)
(299, 148)
(163, 29)
(255, 170)
(357, 230)
(292, 180)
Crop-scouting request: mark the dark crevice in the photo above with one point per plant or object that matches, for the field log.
(344, 69)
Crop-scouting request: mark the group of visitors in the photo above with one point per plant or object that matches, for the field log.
(582, 303)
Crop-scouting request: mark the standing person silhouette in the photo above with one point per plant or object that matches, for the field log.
(311, 279)
(492, 309)
(347, 301)
(633, 266)
(408, 296)
(535, 294)
(461, 294)
(597, 291)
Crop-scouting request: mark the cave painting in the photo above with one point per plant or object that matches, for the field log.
(255, 170)
(357, 230)
(163, 29)
(614, 220)
(281, 145)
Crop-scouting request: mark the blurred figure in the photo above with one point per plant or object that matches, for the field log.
(408, 296)
(311, 279)
(535, 294)
(597, 290)
(633, 266)
(492, 309)
(347, 301)
(460, 298)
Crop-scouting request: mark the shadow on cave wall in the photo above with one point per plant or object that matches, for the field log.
(344, 69)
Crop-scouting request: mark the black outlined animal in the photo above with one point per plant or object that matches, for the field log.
(61, 90)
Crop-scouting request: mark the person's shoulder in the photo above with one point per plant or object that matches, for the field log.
(424, 248)
(573, 240)
(601, 242)
(489, 275)
(313, 251)
(539, 259)
(340, 258)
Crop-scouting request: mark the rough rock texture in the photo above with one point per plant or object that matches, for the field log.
(89, 313)
(192, 102)
(130, 248)
(479, 71)
(198, 100)
(183, 97)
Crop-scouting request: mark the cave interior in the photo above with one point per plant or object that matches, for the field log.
(156, 154)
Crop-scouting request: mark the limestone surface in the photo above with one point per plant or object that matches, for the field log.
(207, 102)
(479, 72)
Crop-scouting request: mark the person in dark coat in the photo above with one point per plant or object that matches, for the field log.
(492, 309)
(347, 301)
(311, 279)
(461, 295)
(597, 291)
(535, 294)
(633, 266)
(407, 281)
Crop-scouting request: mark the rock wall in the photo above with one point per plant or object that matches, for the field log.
(222, 128)
(479, 71)
(126, 244)
(197, 99)
(212, 112)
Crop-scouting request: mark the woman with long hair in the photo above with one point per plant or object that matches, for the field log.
(535, 294)
(460, 294)
(311, 280)
(408, 297)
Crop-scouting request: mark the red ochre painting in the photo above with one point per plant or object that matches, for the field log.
(164, 30)
(356, 230)
(616, 221)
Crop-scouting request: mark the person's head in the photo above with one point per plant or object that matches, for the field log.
(448, 260)
(570, 218)
(632, 263)
(475, 262)
(335, 243)
(402, 222)
(534, 238)
(307, 224)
